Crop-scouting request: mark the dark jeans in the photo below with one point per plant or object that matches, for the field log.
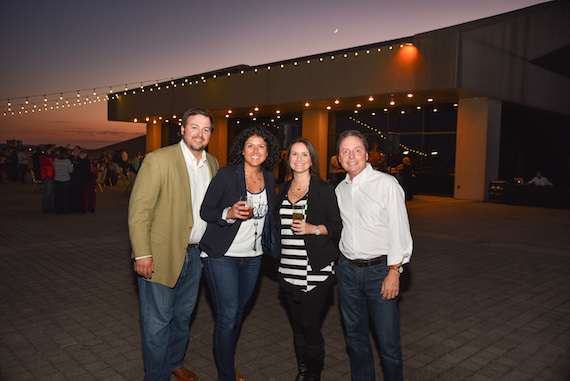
(47, 196)
(231, 281)
(23, 171)
(62, 197)
(360, 299)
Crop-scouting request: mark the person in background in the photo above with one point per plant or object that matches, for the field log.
(375, 243)
(539, 180)
(308, 252)
(124, 161)
(36, 162)
(137, 161)
(74, 155)
(3, 165)
(23, 160)
(334, 170)
(47, 174)
(75, 188)
(11, 164)
(62, 181)
(231, 246)
(165, 228)
(86, 174)
(406, 173)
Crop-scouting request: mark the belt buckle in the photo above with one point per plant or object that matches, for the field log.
(361, 263)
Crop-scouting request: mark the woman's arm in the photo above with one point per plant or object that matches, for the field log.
(212, 206)
(333, 223)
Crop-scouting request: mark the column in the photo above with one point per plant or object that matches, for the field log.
(477, 149)
(218, 146)
(315, 129)
(153, 136)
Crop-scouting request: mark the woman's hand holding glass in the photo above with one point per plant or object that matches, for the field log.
(241, 210)
(298, 224)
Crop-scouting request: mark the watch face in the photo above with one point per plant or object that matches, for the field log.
(400, 269)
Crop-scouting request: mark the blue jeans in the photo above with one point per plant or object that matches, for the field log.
(165, 318)
(360, 298)
(231, 281)
(47, 196)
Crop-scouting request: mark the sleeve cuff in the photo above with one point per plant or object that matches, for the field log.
(225, 216)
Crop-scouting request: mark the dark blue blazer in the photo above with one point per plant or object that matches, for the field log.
(224, 190)
(322, 209)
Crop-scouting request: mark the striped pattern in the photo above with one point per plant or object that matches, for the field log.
(294, 264)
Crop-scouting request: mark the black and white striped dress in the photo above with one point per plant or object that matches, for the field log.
(294, 264)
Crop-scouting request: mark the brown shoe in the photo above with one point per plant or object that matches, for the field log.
(184, 374)
(239, 376)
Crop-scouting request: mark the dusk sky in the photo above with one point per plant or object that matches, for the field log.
(59, 48)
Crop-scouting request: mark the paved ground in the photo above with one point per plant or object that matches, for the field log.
(486, 297)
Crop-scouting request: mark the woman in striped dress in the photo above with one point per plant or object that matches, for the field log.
(310, 221)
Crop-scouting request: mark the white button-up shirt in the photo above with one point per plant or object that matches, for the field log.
(374, 218)
(199, 175)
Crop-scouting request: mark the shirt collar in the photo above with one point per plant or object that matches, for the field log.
(361, 177)
(190, 156)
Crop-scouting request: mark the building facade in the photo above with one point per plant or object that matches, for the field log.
(451, 99)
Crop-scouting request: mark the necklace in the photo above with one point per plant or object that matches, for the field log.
(298, 191)
(254, 183)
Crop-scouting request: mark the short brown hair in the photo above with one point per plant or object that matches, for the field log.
(198, 111)
(355, 133)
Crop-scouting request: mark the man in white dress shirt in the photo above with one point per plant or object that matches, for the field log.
(375, 242)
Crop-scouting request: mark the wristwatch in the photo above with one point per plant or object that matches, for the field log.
(318, 231)
(398, 268)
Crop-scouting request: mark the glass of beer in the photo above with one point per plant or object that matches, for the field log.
(249, 204)
(297, 212)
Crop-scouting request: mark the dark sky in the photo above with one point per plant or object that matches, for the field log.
(63, 47)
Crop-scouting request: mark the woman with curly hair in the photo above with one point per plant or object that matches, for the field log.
(235, 207)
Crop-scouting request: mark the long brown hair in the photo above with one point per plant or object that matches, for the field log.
(314, 170)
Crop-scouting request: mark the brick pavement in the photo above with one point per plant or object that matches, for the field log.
(486, 297)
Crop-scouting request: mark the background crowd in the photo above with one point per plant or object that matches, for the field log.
(68, 177)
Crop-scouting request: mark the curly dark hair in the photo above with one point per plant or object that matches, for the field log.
(273, 150)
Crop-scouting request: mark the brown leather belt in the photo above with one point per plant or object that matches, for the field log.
(192, 245)
(368, 262)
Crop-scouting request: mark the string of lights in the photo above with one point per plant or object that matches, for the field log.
(30, 104)
(26, 105)
(406, 150)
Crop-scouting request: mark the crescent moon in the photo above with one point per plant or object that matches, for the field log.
(336, 30)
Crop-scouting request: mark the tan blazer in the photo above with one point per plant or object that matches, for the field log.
(160, 212)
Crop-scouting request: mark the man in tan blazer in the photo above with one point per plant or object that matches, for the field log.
(165, 228)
